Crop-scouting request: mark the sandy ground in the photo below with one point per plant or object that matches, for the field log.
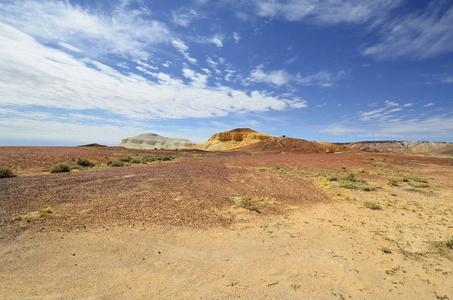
(335, 249)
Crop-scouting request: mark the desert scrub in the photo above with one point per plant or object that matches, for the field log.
(60, 168)
(386, 250)
(6, 172)
(249, 203)
(126, 158)
(115, 163)
(349, 181)
(372, 205)
(83, 162)
(41, 213)
(158, 157)
(449, 243)
(392, 182)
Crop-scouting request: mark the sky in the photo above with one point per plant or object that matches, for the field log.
(75, 72)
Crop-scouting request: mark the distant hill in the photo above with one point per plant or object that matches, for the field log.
(152, 141)
(420, 147)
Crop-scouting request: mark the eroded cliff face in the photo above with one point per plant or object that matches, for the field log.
(420, 147)
(234, 138)
(152, 141)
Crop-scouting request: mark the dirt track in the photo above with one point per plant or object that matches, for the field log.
(171, 230)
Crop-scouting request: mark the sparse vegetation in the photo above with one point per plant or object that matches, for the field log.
(60, 168)
(248, 202)
(449, 243)
(115, 163)
(6, 172)
(41, 213)
(393, 182)
(83, 162)
(128, 160)
(386, 250)
(372, 205)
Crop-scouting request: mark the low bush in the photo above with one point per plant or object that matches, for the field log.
(6, 172)
(126, 158)
(393, 182)
(60, 168)
(115, 163)
(249, 203)
(372, 205)
(85, 162)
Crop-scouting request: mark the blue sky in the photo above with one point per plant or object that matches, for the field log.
(75, 72)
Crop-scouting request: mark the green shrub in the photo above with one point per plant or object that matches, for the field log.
(386, 250)
(60, 168)
(249, 203)
(85, 162)
(126, 158)
(136, 161)
(372, 205)
(115, 163)
(6, 172)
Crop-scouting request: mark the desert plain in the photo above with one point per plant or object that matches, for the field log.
(226, 225)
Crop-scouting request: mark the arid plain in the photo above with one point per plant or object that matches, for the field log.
(220, 225)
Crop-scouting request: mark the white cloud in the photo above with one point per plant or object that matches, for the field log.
(391, 103)
(282, 77)
(419, 35)
(395, 123)
(236, 37)
(125, 32)
(184, 17)
(322, 78)
(278, 78)
(183, 48)
(35, 75)
(198, 80)
(447, 79)
(217, 41)
(428, 105)
(330, 12)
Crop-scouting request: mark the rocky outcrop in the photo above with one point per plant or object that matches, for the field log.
(234, 138)
(420, 147)
(152, 141)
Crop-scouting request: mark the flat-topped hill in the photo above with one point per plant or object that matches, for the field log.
(152, 141)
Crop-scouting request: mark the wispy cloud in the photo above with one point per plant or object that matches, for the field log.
(183, 49)
(419, 35)
(330, 12)
(396, 122)
(33, 74)
(124, 31)
(282, 77)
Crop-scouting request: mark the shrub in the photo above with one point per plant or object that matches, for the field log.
(449, 243)
(372, 205)
(115, 163)
(126, 158)
(85, 162)
(249, 203)
(6, 172)
(60, 168)
(393, 182)
(41, 213)
(386, 250)
(136, 161)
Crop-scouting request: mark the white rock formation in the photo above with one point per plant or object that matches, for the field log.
(152, 141)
